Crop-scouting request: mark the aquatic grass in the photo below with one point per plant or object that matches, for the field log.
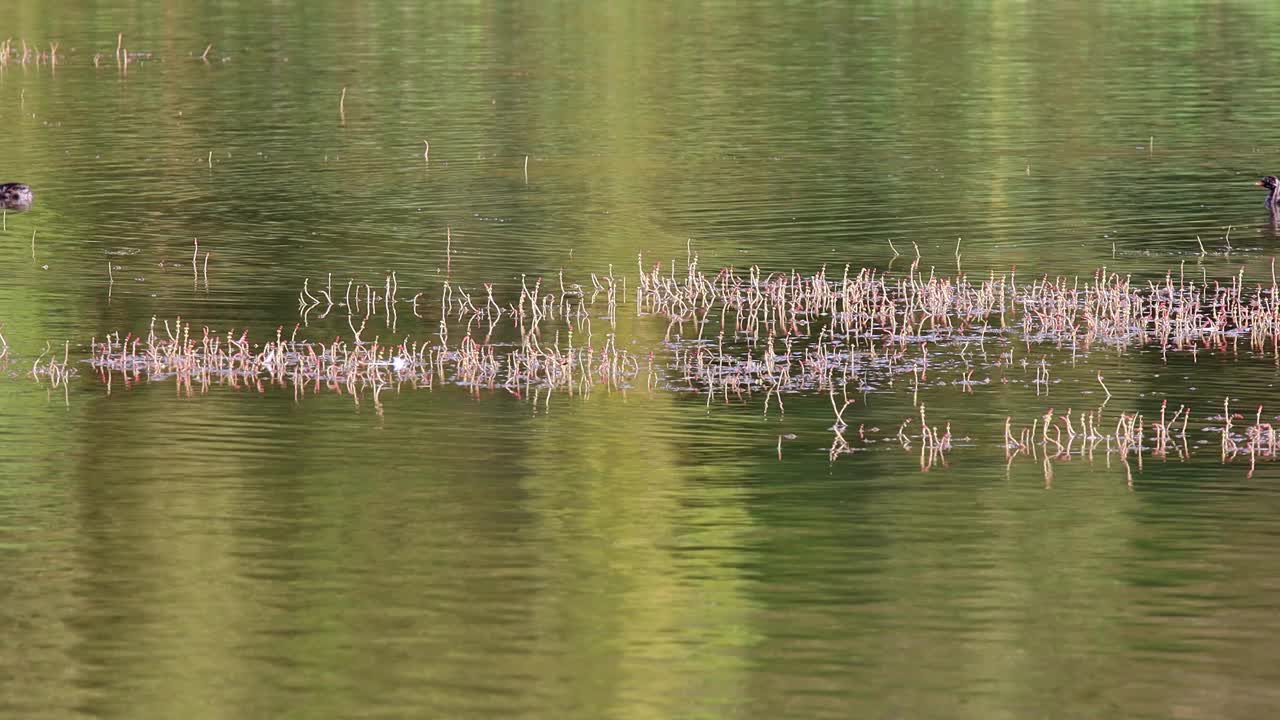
(30, 53)
(735, 333)
(33, 53)
(55, 371)
(736, 336)
(206, 358)
(1058, 438)
(934, 444)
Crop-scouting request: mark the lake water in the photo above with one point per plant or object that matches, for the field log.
(651, 548)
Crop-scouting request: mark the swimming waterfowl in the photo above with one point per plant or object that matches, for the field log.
(1272, 184)
(15, 196)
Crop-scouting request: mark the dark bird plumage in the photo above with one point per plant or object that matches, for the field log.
(1272, 184)
(16, 197)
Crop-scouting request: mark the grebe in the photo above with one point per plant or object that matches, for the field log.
(1272, 184)
(18, 197)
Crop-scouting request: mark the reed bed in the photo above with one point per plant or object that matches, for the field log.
(201, 358)
(740, 332)
(1054, 438)
(870, 306)
(23, 53)
(736, 335)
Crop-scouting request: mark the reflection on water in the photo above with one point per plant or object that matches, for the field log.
(627, 553)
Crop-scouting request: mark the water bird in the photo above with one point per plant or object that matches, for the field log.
(16, 197)
(1272, 184)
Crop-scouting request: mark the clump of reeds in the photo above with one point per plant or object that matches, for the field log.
(869, 307)
(934, 443)
(205, 358)
(1061, 435)
(1258, 440)
(733, 335)
(1056, 438)
(724, 329)
(48, 367)
(28, 54)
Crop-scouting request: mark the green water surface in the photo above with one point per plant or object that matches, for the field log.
(455, 553)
